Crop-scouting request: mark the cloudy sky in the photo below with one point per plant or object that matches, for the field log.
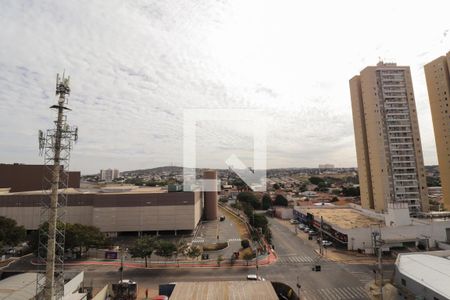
(137, 65)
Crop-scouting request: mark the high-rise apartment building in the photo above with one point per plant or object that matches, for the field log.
(438, 84)
(388, 147)
(109, 175)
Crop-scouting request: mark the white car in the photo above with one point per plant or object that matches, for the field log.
(301, 226)
(255, 277)
(306, 229)
(293, 221)
(326, 243)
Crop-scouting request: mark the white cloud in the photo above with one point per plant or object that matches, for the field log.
(135, 65)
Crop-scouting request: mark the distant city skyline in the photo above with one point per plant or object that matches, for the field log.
(136, 66)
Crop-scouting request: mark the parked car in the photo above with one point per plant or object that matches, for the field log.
(312, 232)
(255, 277)
(326, 243)
(301, 226)
(222, 218)
(293, 221)
(306, 229)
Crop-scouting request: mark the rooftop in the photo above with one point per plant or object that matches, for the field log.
(18, 287)
(224, 290)
(430, 270)
(126, 189)
(345, 218)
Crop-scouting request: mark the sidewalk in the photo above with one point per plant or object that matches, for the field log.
(263, 260)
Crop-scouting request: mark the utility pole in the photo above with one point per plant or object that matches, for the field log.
(321, 236)
(56, 146)
(121, 265)
(378, 246)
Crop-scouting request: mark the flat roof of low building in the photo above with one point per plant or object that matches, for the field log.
(18, 287)
(345, 218)
(102, 190)
(431, 271)
(224, 290)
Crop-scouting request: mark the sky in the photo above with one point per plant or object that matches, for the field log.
(137, 67)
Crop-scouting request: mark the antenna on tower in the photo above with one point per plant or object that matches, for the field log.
(55, 146)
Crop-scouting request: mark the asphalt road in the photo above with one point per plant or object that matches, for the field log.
(296, 258)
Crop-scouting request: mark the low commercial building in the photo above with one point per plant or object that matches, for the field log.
(113, 210)
(423, 275)
(353, 228)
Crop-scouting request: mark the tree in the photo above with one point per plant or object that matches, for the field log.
(334, 199)
(350, 191)
(322, 186)
(240, 184)
(40, 235)
(302, 188)
(259, 221)
(266, 202)
(181, 246)
(315, 180)
(248, 256)
(219, 260)
(144, 248)
(10, 233)
(165, 249)
(249, 198)
(280, 200)
(83, 237)
(268, 235)
(276, 186)
(194, 251)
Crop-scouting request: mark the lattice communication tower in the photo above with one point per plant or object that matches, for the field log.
(55, 145)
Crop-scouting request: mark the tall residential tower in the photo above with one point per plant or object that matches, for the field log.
(388, 148)
(438, 84)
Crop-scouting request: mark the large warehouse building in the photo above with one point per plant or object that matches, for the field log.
(130, 209)
(114, 209)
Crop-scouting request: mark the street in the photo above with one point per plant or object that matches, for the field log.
(295, 260)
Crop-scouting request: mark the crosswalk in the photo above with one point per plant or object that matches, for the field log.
(198, 240)
(234, 240)
(343, 293)
(363, 277)
(295, 259)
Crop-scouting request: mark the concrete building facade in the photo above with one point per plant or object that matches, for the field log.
(109, 175)
(438, 83)
(112, 212)
(387, 138)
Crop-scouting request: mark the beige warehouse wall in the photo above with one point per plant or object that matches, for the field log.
(174, 217)
(30, 217)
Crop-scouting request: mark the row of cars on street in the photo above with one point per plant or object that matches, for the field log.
(311, 232)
